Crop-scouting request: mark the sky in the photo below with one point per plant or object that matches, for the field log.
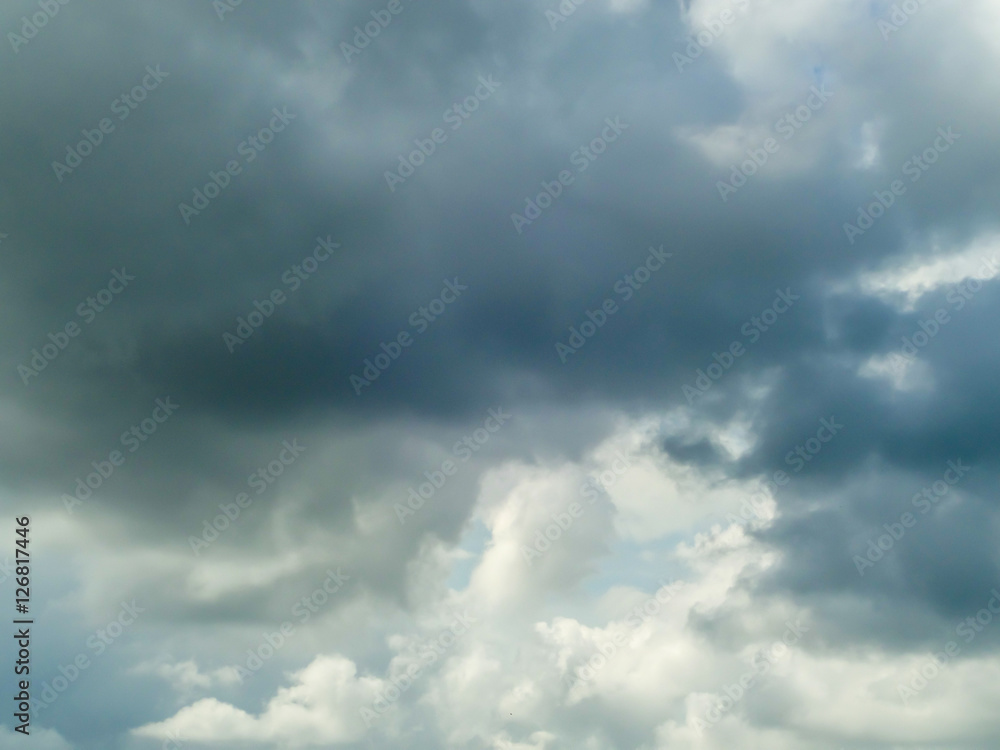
(523, 375)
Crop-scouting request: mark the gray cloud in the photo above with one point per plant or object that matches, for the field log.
(323, 175)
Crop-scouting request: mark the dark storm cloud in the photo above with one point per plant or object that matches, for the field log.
(164, 335)
(323, 176)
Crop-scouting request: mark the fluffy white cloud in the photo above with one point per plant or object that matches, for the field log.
(321, 707)
(544, 666)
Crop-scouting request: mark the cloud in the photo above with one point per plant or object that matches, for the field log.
(609, 479)
(321, 707)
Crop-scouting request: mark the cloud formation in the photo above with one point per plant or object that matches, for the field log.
(614, 332)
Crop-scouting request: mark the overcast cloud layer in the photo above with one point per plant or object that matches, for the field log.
(604, 374)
